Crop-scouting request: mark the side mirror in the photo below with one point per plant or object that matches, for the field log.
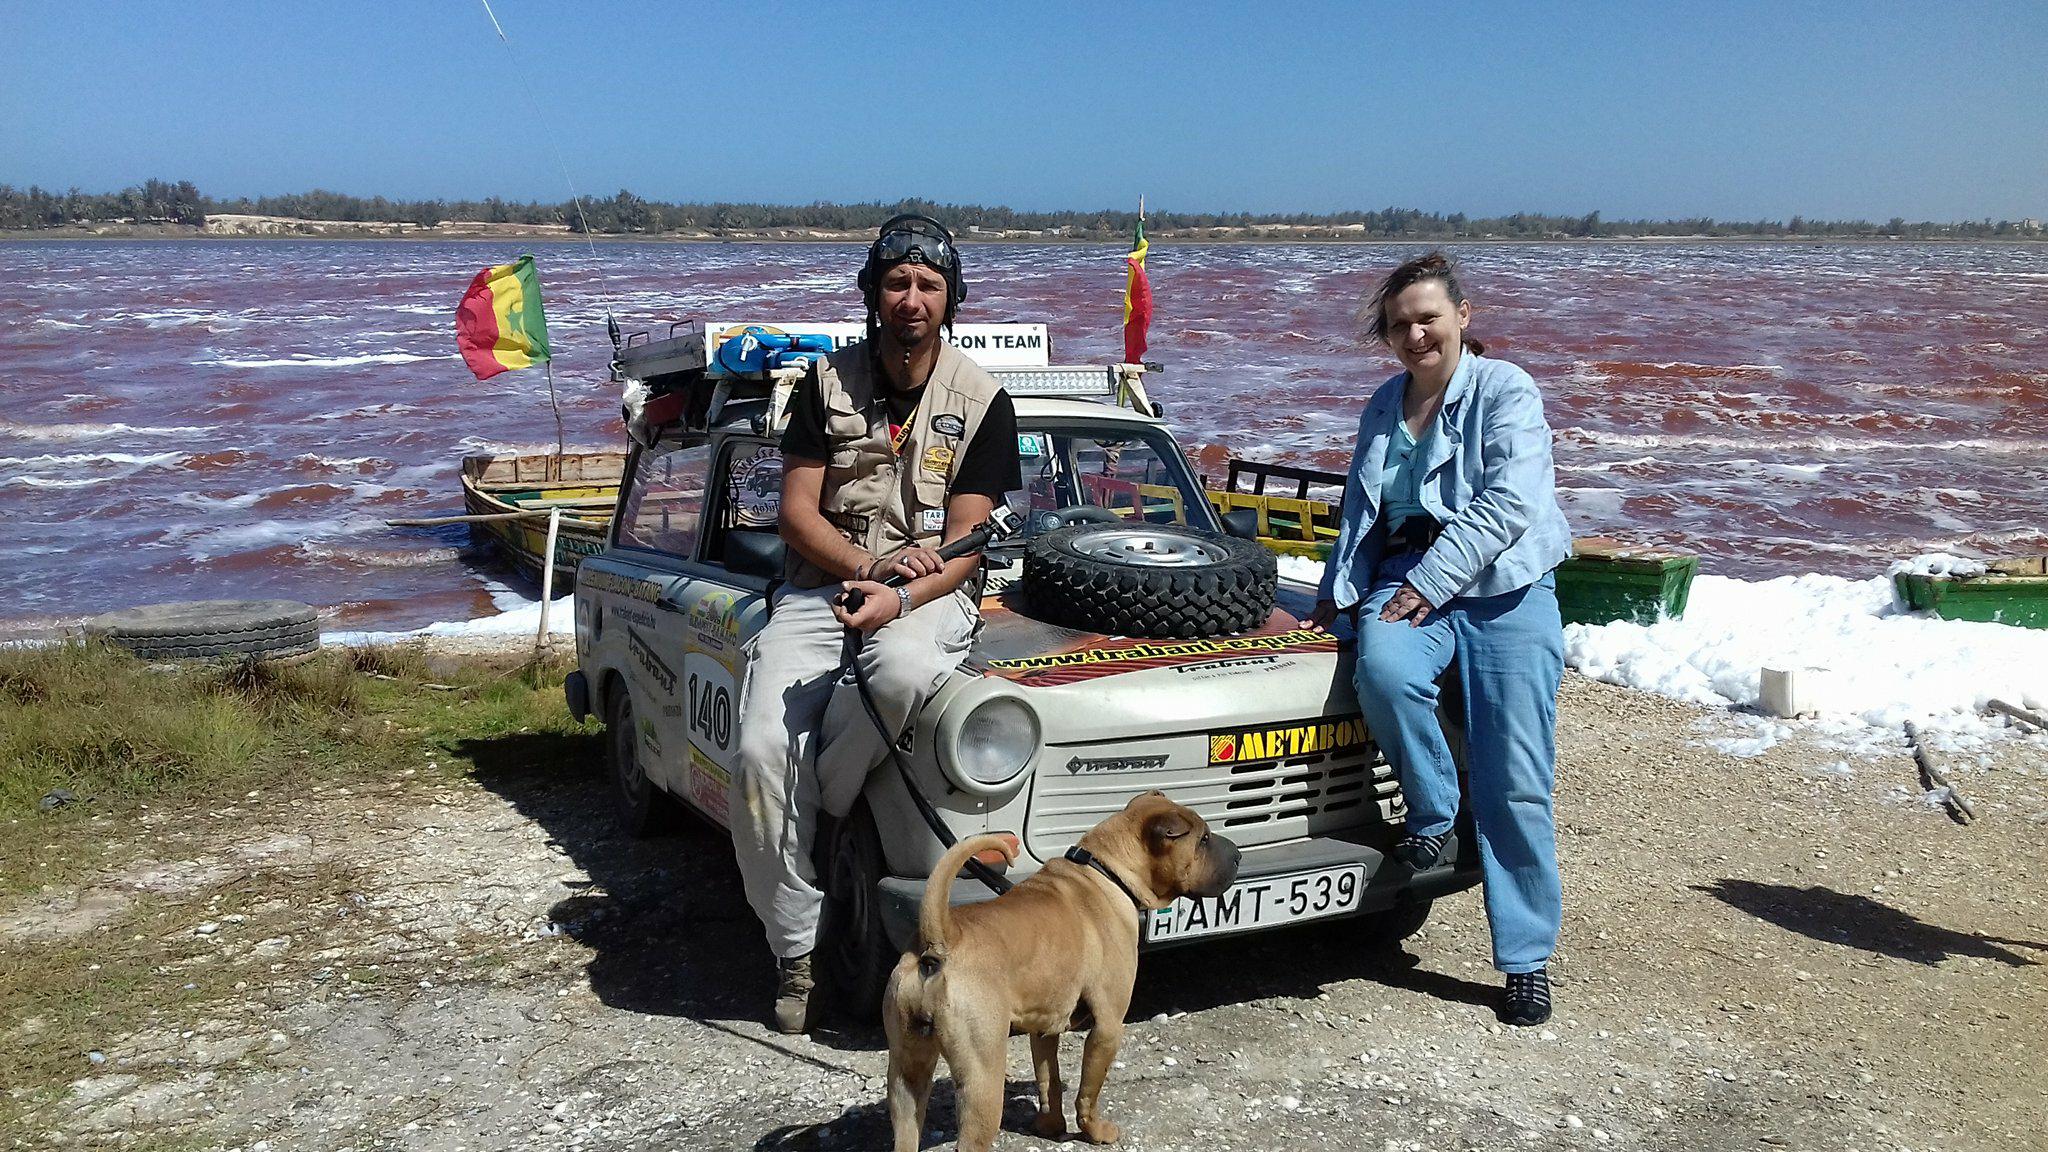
(754, 554)
(1242, 523)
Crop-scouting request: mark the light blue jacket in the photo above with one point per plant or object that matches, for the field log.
(1487, 478)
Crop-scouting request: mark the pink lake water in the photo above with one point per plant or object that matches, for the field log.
(189, 420)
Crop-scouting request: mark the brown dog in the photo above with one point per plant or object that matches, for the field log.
(1059, 952)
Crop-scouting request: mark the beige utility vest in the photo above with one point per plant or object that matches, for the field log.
(881, 499)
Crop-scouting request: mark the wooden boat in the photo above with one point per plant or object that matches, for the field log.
(2013, 591)
(584, 485)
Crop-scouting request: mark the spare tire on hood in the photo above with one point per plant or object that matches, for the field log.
(1153, 580)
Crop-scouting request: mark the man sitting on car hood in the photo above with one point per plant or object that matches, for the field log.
(895, 446)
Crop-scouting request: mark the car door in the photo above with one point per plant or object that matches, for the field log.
(722, 610)
(658, 532)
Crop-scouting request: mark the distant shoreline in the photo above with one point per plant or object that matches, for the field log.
(282, 229)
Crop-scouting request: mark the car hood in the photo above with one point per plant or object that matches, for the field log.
(1088, 685)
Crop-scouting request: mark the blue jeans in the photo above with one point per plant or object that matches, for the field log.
(1510, 652)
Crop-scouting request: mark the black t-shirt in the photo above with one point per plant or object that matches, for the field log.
(990, 467)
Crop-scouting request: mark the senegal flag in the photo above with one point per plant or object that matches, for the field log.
(1137, 299)
(499, 325)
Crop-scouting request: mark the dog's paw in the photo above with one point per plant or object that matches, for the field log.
(1100, 1131)
(1050, 1125)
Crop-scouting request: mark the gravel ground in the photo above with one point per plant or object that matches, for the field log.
(1794, 950)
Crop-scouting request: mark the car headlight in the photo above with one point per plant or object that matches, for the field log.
(992, 743)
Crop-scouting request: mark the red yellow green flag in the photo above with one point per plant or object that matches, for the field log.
(1137, 299)
(499, 325)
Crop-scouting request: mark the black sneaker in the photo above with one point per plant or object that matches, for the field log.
(1421, 852)
(1526, 1003)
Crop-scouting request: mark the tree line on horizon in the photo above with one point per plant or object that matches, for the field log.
(165, 202)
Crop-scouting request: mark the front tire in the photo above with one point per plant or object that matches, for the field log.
(1387, 929)
(852, 941)
(642, 808)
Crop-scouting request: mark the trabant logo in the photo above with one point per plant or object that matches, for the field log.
(649, 662)
(1116, 764)
(1246, 744)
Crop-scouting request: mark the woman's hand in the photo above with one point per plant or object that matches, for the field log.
(881, 606)
(1320, 619)
(1407, 604)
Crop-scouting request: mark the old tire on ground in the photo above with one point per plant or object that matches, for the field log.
(200, 629)
(643, 809)
(1136, 579)
(852, 940)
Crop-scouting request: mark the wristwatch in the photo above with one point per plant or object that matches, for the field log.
(903, 597)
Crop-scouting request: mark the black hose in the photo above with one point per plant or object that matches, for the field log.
(992, 879)
(972, 542)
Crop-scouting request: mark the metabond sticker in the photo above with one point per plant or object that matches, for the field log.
(1285, 741)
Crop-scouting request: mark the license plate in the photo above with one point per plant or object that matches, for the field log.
(1261, 903)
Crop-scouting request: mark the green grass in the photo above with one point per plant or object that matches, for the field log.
(131, 740)
(119, 734)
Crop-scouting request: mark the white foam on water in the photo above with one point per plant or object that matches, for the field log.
(1875, 664)
(77, 458)
(82, 469)
(517, 615)
(306, 361)
(68, 432)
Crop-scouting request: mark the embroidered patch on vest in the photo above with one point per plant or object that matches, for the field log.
(851, 525)
(931, 520)
(937, 459)
(947, 424)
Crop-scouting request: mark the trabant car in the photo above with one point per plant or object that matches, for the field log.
(1045, 728)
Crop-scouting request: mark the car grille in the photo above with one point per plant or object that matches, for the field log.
(1257, 802)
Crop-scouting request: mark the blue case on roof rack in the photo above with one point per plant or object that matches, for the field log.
(755, 349)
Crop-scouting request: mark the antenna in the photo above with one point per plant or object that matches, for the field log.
(603, 289)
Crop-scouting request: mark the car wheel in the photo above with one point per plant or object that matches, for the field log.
(852, 941)
(1387, 929)
(1153, 580)
(643, 809)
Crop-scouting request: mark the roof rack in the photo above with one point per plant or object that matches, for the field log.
(678, 380)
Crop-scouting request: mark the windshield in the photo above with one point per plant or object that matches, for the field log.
(1135, 473)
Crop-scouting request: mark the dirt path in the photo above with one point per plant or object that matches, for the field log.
(1780, 952)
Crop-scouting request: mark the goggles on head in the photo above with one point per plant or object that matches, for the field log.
(901, 244)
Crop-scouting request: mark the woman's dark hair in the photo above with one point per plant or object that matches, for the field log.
(1435, 266)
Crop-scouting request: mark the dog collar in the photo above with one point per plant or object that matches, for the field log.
(1086, 859)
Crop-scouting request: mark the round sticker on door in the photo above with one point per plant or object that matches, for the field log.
(757, 486)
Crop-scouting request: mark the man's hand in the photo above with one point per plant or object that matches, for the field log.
(913, 562)
(881, 606)
(1407, 604)
(1320, 619)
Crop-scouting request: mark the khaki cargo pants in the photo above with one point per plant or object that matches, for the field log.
(807, 744)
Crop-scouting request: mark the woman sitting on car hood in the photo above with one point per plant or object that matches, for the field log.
(1449, 534)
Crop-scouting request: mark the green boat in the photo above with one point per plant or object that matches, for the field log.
(1607, 580)
(2013, 591)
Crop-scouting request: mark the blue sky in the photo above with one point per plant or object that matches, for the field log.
(1733, 110)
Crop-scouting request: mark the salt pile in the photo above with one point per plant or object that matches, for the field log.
(1878, 665)
(517, 616)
